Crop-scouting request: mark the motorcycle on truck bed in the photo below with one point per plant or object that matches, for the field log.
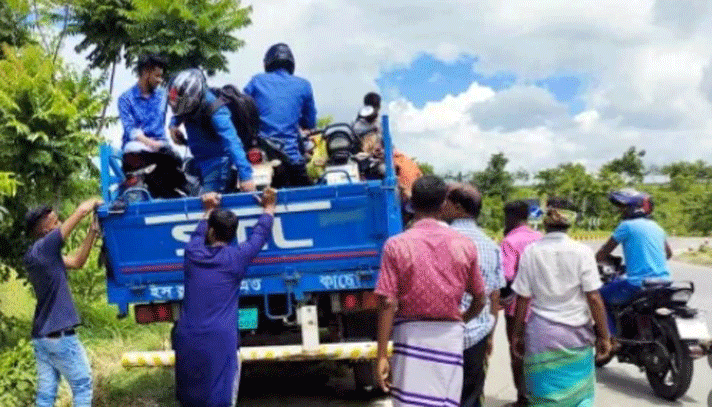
(307, 296)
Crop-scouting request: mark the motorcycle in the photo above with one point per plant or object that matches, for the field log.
(658, 332)
(342, 145)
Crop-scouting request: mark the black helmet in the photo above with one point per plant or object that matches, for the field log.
(279, 56)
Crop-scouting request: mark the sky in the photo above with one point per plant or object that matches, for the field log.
(545, 82)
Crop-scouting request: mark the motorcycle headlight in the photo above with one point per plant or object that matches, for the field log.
(681, 296)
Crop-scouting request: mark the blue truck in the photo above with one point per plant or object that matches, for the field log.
(307, 296)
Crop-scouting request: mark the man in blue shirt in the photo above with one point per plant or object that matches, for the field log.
(212, 137)
(286, 104)
(142, 110)
(462, 208)
(645, 248)
(206, 338)
(58, 351)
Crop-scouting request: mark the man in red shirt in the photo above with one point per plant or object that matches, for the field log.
(424, 273)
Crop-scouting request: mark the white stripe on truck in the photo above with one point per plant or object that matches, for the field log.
(241, 212)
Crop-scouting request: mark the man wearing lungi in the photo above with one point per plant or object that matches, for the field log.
(424, 273)
(206, 337)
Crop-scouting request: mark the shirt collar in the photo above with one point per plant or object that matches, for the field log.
(464, 222)
(137, 93)
(429, 223)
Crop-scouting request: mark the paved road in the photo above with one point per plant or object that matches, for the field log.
(618, 385)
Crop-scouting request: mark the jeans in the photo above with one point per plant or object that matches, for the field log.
(214, 174)
(63, 356)
(617, 292)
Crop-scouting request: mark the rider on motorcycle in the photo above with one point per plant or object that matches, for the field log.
(645, 249)
(286, 105)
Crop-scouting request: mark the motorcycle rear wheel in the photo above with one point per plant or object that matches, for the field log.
(669, 384)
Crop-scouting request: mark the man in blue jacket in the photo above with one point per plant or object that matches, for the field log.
(286, 104)
(211, 136)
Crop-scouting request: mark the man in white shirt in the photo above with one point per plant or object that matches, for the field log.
(559, 278)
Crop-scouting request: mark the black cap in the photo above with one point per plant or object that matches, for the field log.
(34, 216)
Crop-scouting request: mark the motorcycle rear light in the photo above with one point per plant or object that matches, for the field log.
(359, 301)
(349, 302)
(255, 156)
(148, 313)
(369, 300)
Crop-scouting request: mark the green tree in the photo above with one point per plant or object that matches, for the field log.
(47, 113)
(696, 170)
(426, 169)
(494, 180)
(630, 165)
(587, 191)
(701, 215)
(13, 29)
(190, 33)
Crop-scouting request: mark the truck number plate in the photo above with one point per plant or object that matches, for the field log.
(247, 319)
(693, 328)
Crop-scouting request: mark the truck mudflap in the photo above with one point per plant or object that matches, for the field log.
(352, 351)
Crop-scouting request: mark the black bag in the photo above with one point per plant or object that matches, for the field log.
(243, 111)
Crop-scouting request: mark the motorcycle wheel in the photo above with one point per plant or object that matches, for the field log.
(670, 384)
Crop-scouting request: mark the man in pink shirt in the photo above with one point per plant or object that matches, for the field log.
(424, 273)
(518, 235)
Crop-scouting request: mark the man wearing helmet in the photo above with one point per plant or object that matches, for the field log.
(286, 104)
(645, 248)
(212, 137)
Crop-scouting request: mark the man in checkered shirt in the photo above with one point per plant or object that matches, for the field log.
(462, 207)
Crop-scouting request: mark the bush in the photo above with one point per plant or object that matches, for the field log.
(19, 377)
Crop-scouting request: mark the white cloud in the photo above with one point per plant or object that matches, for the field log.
(649, 64)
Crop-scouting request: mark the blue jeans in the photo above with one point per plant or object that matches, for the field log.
(617, 292)
(214, 174)
(63, 356)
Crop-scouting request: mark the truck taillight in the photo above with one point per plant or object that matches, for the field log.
(349, 302)
(359, 301)
(255, 156)
(148, 313)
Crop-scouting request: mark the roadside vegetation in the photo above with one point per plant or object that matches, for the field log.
(702, 255)
(51, 121)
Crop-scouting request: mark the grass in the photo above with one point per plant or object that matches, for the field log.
(702, 256)
(105, 339)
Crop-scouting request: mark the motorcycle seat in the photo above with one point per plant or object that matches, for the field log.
(653, 283)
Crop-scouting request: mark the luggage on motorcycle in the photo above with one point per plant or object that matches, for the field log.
(243, 111)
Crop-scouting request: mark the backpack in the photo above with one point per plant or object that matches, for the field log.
(243, 111)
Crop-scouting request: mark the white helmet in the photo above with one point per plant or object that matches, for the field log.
(186, 91)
